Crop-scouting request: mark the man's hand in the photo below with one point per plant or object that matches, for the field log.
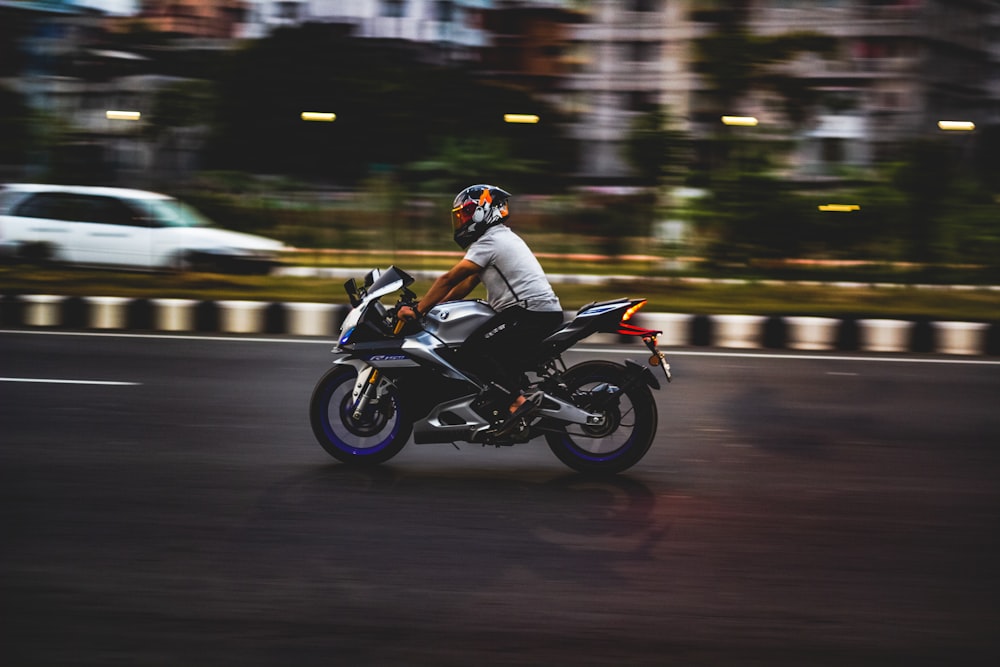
(455, 283)
(407, 313)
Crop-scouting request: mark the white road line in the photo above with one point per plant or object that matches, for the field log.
(210, 337)
(792, 355)
(110, 383)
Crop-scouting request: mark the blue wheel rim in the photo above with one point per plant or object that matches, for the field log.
(571, 445)
(329, 399)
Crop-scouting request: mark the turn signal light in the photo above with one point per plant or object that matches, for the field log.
(633, 310)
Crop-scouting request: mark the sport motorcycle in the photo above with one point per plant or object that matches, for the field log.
(391, 379)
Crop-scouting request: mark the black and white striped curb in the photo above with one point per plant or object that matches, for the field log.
(105, 313)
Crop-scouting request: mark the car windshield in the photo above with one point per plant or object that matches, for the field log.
(7, 199)
(174, 213)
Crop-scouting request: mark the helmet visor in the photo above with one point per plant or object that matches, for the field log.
(461, 215)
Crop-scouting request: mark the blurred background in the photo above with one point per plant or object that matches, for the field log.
(723, 132)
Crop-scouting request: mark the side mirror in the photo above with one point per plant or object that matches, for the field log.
(351, 287)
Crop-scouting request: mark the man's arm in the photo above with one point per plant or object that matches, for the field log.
(461, 290)
(454, 283)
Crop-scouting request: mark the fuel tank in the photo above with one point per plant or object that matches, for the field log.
(454, 321)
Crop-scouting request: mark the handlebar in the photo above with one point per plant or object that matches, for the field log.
(408, 299)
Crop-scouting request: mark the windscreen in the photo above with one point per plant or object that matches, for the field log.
(391, 280)
(173, 213)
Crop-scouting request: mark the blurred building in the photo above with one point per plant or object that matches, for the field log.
(452, 27)
(622, 57)
(263, 16)
(895, 67)
(41, 41)
(58, 59)
(899, 66)
(36, 34)
(211, 19)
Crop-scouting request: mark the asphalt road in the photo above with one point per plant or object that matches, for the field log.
(793, 511)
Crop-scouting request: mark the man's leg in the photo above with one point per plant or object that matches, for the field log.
(501, 351)
(490, 351)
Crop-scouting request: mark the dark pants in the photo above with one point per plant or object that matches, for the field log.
(501, 350)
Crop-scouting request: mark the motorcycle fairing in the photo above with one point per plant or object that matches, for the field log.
(419, 350)
(600, 317)
(457, 420)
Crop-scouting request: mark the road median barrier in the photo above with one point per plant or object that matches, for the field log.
(174, 314)
(728, 331)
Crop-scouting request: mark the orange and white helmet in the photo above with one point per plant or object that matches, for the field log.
(476, 209)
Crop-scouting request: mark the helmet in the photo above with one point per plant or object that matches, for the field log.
(477, 208)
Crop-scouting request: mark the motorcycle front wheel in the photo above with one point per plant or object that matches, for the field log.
(378, 435)
(629, 426)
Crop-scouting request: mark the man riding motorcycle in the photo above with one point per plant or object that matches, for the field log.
(527, 308)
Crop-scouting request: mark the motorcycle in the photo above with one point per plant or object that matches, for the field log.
(391, 379)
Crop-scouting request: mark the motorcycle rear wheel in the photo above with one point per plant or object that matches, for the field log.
(629, 427)
(379, 435)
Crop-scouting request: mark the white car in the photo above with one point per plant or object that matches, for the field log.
(123, 228)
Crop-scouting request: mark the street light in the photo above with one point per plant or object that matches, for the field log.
(956, 125)
(740, 121)
(529, 118)
(122, 115)
(840, 208)
(319, 116)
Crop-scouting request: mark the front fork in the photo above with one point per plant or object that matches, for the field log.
(365, 391)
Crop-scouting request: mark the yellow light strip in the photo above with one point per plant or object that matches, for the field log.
(633, 310)
(520, 118)
(742, 121)
(123, 115)
(841, 208)
(956, 125)
(319, 116)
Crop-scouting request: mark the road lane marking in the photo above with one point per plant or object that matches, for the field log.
(110, 383)
(791, 355)
(199, 337)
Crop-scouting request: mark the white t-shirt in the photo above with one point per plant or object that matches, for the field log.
(511, 272)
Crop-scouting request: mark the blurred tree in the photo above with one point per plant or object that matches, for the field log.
(179, 118)
(16, 130)
(182, 104)
(930, 206)
(967, 223)
(658, 155)
(392, 110)
(15, 26)
(924, 178)
(986, 157)
(876, 232)
(457, 162)
(613, 221)
(737, 63)
(655, 150)
(751, 212)
(970, 225)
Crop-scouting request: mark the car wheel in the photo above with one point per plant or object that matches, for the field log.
(37, 253)
(193, 261)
